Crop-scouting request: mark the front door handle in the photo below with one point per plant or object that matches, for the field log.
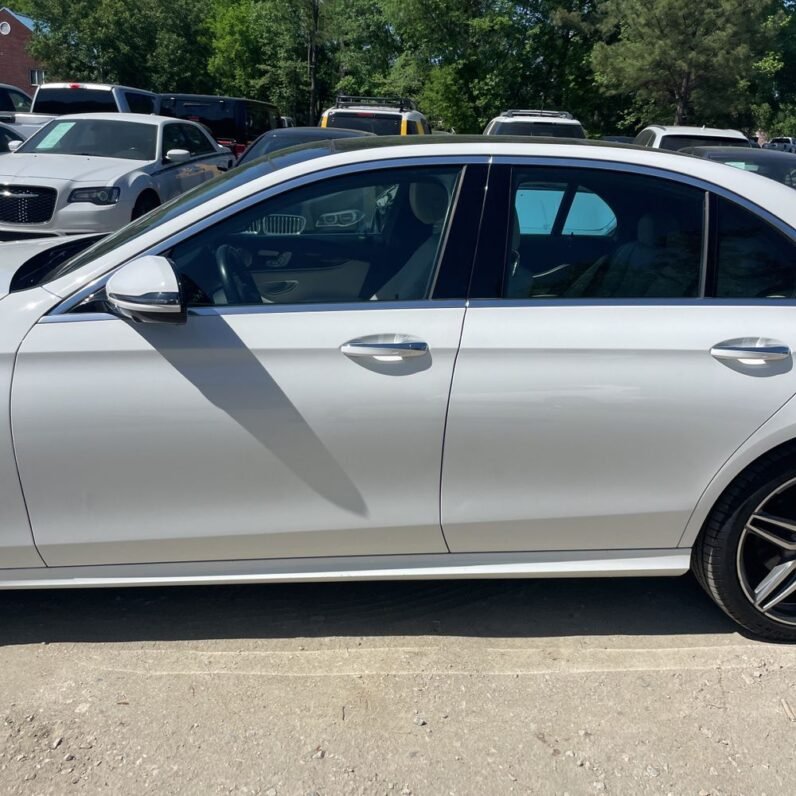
(383, 346)
(760, 349)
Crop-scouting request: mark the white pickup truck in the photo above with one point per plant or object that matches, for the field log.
(58, 99)
(783, 144)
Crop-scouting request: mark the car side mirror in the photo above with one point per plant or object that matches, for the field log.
(13, 146)
(178, 155)
(147, 290)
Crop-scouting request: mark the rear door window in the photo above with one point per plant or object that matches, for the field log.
(584, 234)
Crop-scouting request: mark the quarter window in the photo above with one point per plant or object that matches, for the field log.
(361, 237)
(140, 103)
(601, 234)
(754, 259)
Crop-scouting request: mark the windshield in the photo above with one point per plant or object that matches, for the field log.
(675, 143)
(95, 137)
(59, 101)
(378, 123)
(545, 129)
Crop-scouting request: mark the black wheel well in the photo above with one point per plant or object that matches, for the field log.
(146, 193)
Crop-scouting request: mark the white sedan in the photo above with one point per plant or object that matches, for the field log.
(466, 358)
(95, 172)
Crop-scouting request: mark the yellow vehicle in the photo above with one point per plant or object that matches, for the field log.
(379, 115)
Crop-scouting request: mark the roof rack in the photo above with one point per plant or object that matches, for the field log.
(402, 103)
(553, 114)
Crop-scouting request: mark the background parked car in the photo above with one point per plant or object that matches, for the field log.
(662, 136)
(275, 140)
(13, 100)
(8, 134)
(776, 165)
(58, 99)
(95, 172)
(379, 115)
(233, 121)
(556, 124)
(783, 144)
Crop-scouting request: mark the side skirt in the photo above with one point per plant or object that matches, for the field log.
(566, 564)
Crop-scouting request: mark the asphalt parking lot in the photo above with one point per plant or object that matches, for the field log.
(636, 686)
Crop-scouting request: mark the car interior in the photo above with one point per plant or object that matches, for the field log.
(363, 237)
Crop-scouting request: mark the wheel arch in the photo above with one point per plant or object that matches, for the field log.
(773, 437)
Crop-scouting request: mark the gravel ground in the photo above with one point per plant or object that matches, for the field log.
(480, 687)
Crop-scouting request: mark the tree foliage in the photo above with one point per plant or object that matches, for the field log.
(694, 60)
(615, 63)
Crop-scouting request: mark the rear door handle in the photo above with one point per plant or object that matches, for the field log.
(761, 349)
(380, 346)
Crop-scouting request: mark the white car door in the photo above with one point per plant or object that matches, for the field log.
(614, 355)
(205, 160)
(300, 410)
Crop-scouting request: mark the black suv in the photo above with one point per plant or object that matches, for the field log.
(232, 121)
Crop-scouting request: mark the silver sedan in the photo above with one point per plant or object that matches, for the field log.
(455, 358)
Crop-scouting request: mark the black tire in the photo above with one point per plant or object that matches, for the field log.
(146, 202)
(722, 568)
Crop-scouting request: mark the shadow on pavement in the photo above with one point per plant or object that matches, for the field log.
(481, 608)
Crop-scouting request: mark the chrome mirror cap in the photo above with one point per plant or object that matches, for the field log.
(178, 155)
(147, 289)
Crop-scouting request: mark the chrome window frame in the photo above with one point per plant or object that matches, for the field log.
(69, 303)
(708, 188)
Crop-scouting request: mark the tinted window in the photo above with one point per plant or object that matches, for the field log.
(598, 234)
(354, 238)
(780, 169)
(378, 123)
(644, 138)
(196, 140)
(13, 101)
(59, 101)
(258, 120)
(173, 138)
(754, 259)
(139, 103)
(96, 138)
(5, 137)
(545, 129)
(677, 142)
(218, 115)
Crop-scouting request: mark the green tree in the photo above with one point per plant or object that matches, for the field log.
(134, 42)
(693, 61)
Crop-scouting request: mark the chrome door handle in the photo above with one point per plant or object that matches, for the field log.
(764, 350)
(369, 348)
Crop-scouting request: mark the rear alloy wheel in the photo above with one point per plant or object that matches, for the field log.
(144, 203)
(767, 555)
(745, 556)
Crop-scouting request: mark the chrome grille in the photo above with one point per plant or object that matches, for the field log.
(284, 224)
(26, 204)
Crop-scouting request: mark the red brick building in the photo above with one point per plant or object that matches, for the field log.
(17, 67)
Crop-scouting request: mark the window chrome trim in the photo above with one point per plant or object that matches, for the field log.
(651, 171)
(275, 309)
(631, 302)
(223, 213)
